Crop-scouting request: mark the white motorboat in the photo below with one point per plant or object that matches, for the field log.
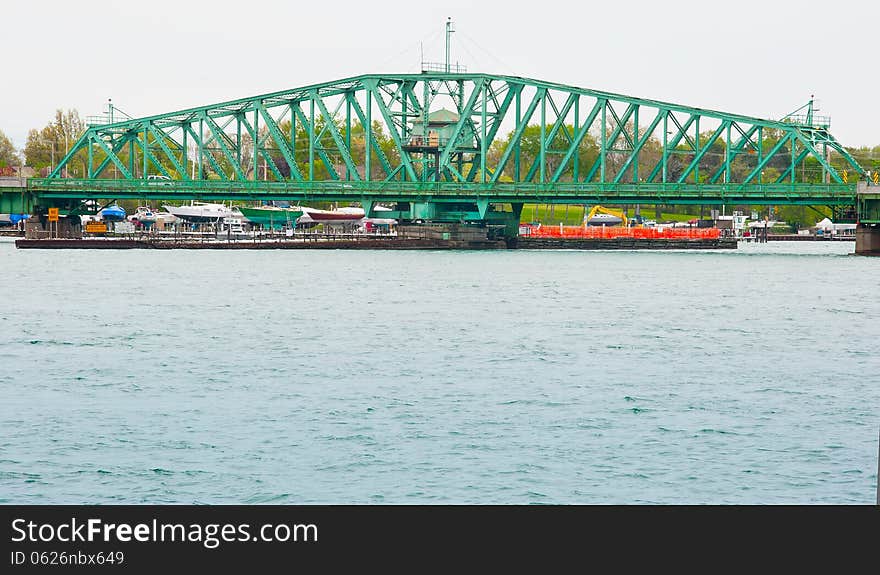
(145, 216)
(203, 212)
(604, 220)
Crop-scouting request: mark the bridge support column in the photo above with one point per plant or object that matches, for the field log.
(511, 231)
(868, 239)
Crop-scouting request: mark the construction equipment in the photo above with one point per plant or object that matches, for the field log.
(601, 215)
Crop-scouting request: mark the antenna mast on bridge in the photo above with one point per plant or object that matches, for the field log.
(449, 30)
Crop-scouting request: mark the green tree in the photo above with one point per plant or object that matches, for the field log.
(45, 148)
(8, 153)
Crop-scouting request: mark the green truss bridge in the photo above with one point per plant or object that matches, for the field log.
(455, 147)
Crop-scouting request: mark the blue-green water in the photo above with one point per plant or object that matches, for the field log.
(746, 376)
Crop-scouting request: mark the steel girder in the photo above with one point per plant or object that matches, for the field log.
(501, 130)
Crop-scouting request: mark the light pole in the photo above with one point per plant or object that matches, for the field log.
(52, 157)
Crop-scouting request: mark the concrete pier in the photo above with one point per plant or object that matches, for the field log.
(868, 240)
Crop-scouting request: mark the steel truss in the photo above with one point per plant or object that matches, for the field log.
(508, 138)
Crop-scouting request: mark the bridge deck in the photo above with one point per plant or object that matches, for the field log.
(559, 193)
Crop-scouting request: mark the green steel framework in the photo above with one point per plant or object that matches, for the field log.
(646, 151)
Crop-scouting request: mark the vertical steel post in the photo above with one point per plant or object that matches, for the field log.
(185, 159)
(635, 163)
(575, 129)
(483, 136)
(257, 147)
(459, 157)
(727, 156)
(201, 149)
(665, 142)
(543, 134)
(760, 152)
(424, 136)
(403, 124)
(604, 143)
(824, 169)
(311, 131)
(697, 150)
(292, 135)
(348, 133)
(91, 152)
(368, 136)
(131, 157)
(238, 139)
(516, 152)
(146, 151)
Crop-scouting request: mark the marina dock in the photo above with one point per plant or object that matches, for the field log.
(376, 243)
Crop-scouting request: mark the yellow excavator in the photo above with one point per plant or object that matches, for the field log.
(601, 215)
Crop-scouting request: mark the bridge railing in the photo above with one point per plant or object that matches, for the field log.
(560, 192)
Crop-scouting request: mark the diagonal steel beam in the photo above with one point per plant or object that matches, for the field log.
(737, 148)
(702, 152)
(281, 142)
(812, 150)
(763, 163)
(159, 137)
(670, 144)
(521, 124)
(789, 171)
(463, 118)
(500, 112)
(221, 140)
(316, 144)
(337, 137)
(560, 121)
(118, 144)
(149, 157)
(609, 144)
(835, 145)
(77, 146)
(386, 165)
(638, 147)
(392, 127)
(260, 150)
(621, 125)
(583, 130)
(112, 156)
(211, 159)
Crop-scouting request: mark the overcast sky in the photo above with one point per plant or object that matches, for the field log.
(757, 58)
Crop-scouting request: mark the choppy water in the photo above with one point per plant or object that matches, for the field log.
(747, 376)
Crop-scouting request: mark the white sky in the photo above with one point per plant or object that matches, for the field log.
(754, 57)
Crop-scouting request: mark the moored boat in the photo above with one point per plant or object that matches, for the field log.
(203, 212)
(272, 216)
(12, 219)
(112, 213)
(604, 219)
(340, 216)
(145, 216)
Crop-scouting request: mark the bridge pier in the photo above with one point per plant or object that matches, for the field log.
(868, 239)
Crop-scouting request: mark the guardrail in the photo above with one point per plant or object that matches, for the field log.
(563, 192)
